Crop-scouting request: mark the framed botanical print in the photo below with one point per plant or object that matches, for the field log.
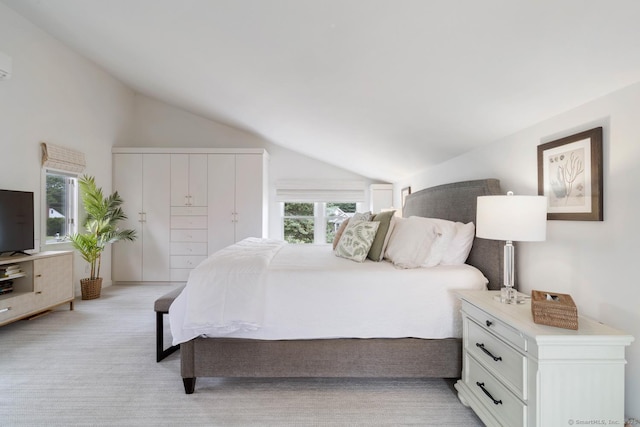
(570, 175)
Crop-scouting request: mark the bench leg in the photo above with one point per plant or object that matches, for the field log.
(161, 353)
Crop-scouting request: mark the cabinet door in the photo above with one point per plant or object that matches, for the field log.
(250, 196)
(127, 181)
(221, 191)
(53, 279)
(179, 180)
(188, 180)
(198, 179)
(156, 201)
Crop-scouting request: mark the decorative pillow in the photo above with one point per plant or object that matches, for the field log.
(336, 239)
(356, 240)
(411, 242)
(361, 216)
(460, 246)
(384, 230)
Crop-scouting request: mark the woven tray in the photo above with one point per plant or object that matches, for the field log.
(557, 310)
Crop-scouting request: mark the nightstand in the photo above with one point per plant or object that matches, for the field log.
(518, 373)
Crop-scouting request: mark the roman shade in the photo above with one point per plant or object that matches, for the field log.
(320, 191)
(62, 158)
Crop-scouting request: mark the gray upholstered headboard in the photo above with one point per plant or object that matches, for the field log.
(457, 202)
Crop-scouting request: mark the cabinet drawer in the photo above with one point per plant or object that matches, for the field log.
(189, 210)
(15, 306)
(189, 235)
(188, 248)
(500, 329)
(180, 274)
(178, 261)
(190, 222)
(498, 400)
(499, 358)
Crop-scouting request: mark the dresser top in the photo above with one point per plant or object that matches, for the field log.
(519, 317)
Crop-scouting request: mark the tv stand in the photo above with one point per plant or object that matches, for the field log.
(40, 282)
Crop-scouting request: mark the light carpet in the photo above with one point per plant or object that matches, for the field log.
(95, 366)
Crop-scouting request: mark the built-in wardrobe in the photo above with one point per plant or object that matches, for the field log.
(185, 204)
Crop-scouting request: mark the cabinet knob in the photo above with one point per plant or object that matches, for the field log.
(489, 323)
(38, 275)
(38, 293)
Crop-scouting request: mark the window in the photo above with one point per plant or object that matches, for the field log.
(314, 222)
(61, 192)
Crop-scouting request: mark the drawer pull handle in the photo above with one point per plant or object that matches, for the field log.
(489, 323)
(2, 310)
(487, 352)
(481, 385)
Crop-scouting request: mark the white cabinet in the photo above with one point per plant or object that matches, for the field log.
(381, 197)
(44, 280)
(189, 180)
(184, 205)
(143, 181)
(238, 199)
(188, 240)
(518, 373)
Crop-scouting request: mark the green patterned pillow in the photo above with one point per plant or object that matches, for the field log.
(356, 240)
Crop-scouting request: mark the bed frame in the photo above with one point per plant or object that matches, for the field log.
(385, 357)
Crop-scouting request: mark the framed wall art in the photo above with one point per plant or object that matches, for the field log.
(570, 175)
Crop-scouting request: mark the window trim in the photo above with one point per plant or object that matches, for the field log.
(74, 201)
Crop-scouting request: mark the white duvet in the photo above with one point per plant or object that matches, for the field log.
(306, 292)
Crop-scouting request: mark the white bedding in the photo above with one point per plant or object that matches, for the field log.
(309, 293)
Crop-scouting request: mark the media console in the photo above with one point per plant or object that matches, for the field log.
(39, 282)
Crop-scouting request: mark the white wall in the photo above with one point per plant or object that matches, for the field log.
(595, 262)
(59, 97)
(156, 124)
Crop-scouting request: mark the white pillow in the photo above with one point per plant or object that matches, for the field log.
(446, 234)
(356, 240)
(460, 246)
(411, 241)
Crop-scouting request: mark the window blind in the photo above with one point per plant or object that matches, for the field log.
(320, 191)
(62, 158)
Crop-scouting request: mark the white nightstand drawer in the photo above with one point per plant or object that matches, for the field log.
(499, 401)
(192, 222)
(503, 361)
(502, 330)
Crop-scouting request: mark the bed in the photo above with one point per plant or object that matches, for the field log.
(391, 356)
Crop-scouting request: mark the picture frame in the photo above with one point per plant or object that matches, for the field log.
(570, 175)
(404, 193)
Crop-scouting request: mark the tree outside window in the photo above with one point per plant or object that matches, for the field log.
(314, 222)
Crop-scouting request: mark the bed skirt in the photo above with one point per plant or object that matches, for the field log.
(379, 357)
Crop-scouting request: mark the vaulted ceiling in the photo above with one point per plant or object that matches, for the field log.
(384, 88)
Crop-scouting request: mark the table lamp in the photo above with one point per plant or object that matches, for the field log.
(511, 218)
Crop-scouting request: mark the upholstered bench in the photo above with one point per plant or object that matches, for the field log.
(161, 307)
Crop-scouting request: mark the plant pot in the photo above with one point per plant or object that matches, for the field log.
(91, 288)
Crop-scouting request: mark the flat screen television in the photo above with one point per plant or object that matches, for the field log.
(16, 221)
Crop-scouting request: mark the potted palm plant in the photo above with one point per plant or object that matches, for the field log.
(100, 229)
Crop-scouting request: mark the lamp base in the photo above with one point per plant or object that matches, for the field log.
(504, 298)
(508, 295)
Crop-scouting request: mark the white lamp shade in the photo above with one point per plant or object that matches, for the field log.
(515, 218)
